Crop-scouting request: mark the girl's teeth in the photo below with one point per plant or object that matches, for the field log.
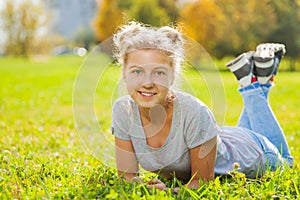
(147, 94)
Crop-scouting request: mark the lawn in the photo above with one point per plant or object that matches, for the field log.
(43, 155)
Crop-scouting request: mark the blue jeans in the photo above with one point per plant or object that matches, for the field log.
(258, 116)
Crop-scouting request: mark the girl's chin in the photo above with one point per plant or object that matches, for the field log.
(146, 105)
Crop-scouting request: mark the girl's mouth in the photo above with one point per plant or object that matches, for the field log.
(147, 94)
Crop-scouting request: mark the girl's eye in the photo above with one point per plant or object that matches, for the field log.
(160, 73)
(137, 71)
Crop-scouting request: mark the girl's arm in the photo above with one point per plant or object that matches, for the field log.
(127, 163)
(203, 159)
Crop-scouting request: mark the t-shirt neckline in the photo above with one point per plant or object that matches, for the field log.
(174, 118)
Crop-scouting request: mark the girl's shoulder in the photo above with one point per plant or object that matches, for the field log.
(123, 103)
(123, 99)
(187, 100)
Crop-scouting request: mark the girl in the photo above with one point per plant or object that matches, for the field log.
(174, 134)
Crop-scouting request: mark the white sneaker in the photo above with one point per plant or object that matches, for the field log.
(266, 61)
(242, 68)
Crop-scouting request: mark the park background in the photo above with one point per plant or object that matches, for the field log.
(43, 156)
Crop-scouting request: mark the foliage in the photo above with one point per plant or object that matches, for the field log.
(148, 12)
(107, 20)
(222, 27)
(42, 157)
(227, 27)
(248, 24)
(171, 8)
(43, 45)
(202, 21)
(287, 29)
(85, 37)
(113, 13)
(20, 24)
(157, 12)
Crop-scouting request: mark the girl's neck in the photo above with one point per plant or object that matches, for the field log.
(153, 115)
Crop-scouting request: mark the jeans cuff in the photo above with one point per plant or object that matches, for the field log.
(250, 87)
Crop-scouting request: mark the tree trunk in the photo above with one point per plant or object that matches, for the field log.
(292, 65)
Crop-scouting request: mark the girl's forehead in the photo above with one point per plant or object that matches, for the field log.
(148, 56)
(150, 66)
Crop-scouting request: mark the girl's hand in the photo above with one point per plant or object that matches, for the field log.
(137, 179)
(156, 183)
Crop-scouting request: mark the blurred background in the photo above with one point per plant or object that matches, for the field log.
(224, 28)
(50, 117)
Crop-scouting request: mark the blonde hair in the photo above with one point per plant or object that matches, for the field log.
(134, 36)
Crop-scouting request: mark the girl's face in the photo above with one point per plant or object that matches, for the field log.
(148, 74)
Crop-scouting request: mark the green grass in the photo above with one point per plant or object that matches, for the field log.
(43, 157)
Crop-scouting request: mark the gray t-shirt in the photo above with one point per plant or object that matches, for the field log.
(192, 125)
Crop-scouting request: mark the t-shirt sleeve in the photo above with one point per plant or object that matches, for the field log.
(201, 126)
(121, 119)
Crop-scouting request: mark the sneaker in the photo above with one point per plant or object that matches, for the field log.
(266, 61)
(242, 68)
(279, 53)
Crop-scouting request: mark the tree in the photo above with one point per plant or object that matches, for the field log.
(20, 23)
(166, 9)
(148, 12)
(107, 19)
(227, 27)
(113, 12)
(85, 37)
(170, 6)
(247, 24)
(287, 28)
(202, 21)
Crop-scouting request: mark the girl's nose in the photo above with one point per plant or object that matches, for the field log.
(148, 81)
